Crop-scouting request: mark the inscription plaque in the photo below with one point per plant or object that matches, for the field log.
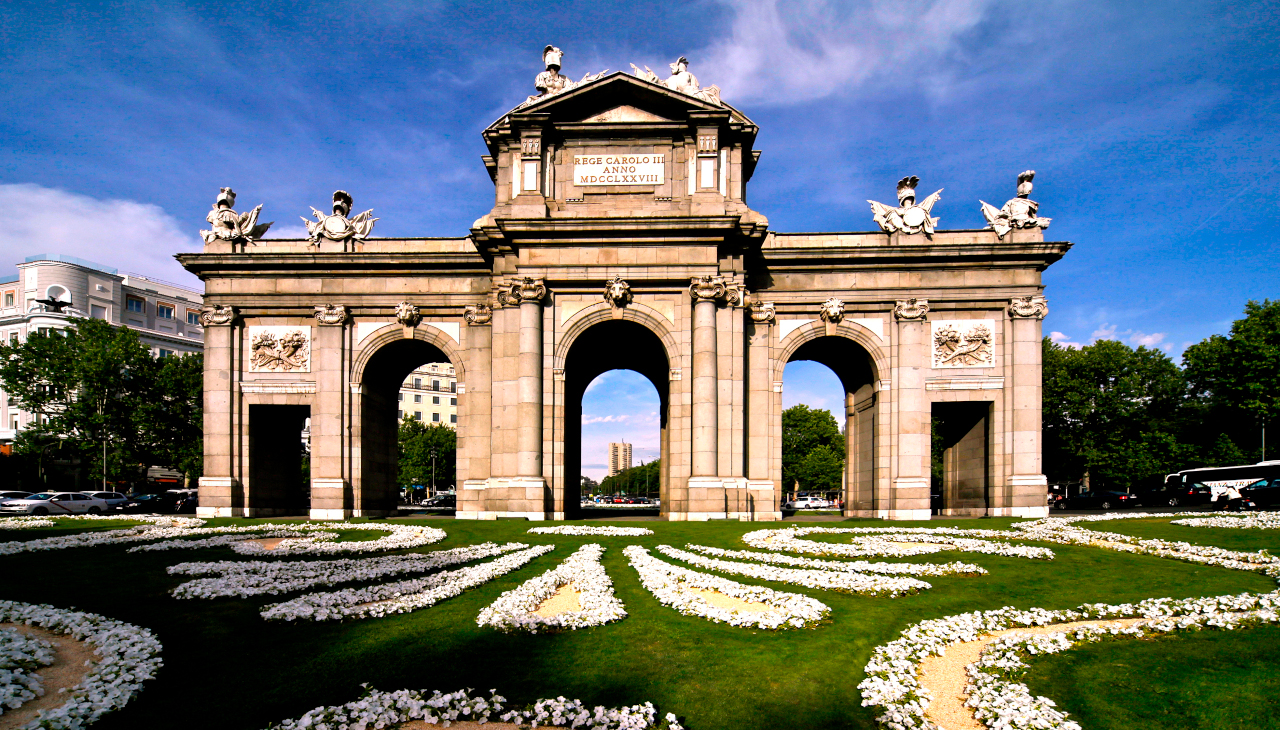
(619, 169)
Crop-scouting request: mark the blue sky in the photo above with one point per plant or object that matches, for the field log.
(1152, 126)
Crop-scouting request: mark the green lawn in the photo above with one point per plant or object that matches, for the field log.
(227, 668)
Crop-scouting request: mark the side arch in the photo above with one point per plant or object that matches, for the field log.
(424, 332)
(650, 318)
(876, 348)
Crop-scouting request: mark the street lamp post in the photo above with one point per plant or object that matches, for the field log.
(433, 471)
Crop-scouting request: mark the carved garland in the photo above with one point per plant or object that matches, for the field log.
(332, 314)
(912, 310)
(1033, 306)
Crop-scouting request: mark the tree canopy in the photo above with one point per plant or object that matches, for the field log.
(641, 479)
(812, 449)
(417, 440)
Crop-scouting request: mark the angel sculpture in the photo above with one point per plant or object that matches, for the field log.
(1020, 212)
(338, 227)
(681, 80)
(908, 217)
(229, 225)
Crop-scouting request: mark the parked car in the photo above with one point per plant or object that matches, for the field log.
(163, 503)
(13, 495)
(1098, 500)
(113, 499)
(442, 501)
(1265, 493)
(54, 504)
(805, 503)
(1175, 495)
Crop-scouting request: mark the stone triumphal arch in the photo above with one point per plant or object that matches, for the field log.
(620, 237)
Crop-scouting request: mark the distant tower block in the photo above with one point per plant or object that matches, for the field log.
(619, 457)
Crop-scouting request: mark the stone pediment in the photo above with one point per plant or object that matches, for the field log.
(624, 114)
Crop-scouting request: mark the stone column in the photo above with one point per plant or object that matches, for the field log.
(220, 491)
(331, 497)
(706, 291)
(525, 494)
(1028, 484)
(761, 490)
(475, 420)
(911, 484)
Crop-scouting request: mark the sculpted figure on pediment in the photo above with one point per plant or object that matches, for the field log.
(338, 227)
(229, 225)
(909, 216)
(1020, 212)
(681, 80)
(551, 82)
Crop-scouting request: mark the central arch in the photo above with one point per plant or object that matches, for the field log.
(613, 344)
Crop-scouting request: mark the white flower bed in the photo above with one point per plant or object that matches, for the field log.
(592, 531)
(399, 597)
(514, 610)
(126, 656)
(1248, 521)
(892, 685)
(890, 542)
(671, 586)
(254, 578)
(827, 580)
(858, 566)
(21, 656)
(25, 523)
(377, 709)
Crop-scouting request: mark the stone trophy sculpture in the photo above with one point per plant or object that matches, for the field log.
(681, 80)
(338, 227)
(229, 225)
(551, 82)
(1020, 212)
(909, 216)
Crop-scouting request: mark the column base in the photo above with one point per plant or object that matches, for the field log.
(218, 497)
(330, 499)
(209, 512)
(1031, 512)
(505, 497)
(910, 497)
(904, 514)
(330, 514)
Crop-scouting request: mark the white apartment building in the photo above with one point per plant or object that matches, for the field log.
(619, 458)
(430, 394)
(166, 316)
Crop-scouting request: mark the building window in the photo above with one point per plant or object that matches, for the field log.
(417, 382)
(453, 418)
(134, 304)
(193, 317)
(435, 400)
(417, 415)
(164, 311)
(13, 338)
(435, 417)
(8, 299)
(453, 401)
(417, 399)
(43, 331)
(400, 396)
(435, 385)
(400, 415)
(166, 353)
(453, 387)
(97, 311)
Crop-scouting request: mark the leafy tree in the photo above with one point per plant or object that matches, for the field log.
(1234, 386)
(170, 418)
(804, 431)
(1111, 412)
(641, 479)
(87, 385)
(417, 440)
(589, 485)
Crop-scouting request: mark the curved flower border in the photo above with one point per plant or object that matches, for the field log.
(242, 579)
(515, 609)
(669, 584)
(21, 657)
(859, 566)
(592, 531)
(127, 656)
(886, 544)
(826, 580)
(399, 597)
(387, 709)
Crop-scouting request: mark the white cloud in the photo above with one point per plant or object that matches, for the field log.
(121, 234)
(1105, 332)
(1142, 339)
(1064, 340)
(797, 51)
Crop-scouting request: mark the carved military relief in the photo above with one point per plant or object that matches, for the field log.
(703, 288)
(911, 309)
(832, 311)
(909, 216)
(964, 343)
(229, 225)
(331, 314)
(1020, 212)
(681, 80)
(763, 312)
(522, 289)
(338, 227)
(217, 314)
(617, 292)
(478, 314)
(407, 314)
(279, 349)
(1033, 306)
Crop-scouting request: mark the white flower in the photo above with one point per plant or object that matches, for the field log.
(515, 609)
(894, 542)
(21, 656)
(588, 530)
(858, 566)
(822, 579)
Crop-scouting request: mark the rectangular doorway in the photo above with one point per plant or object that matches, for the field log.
(960, 458)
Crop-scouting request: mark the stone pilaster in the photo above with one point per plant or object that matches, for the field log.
(762, 493)
(476, 415)
(221, 493)
(911, 482)
(526, 489)
(331, 495)
(1028, 485)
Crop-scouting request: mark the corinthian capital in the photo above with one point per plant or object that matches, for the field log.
(331, 314)
(1033, 306)
(911, 309)
(523, 289)
(707, 288)
(478, 314)
(763, 312)
(218, 314)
